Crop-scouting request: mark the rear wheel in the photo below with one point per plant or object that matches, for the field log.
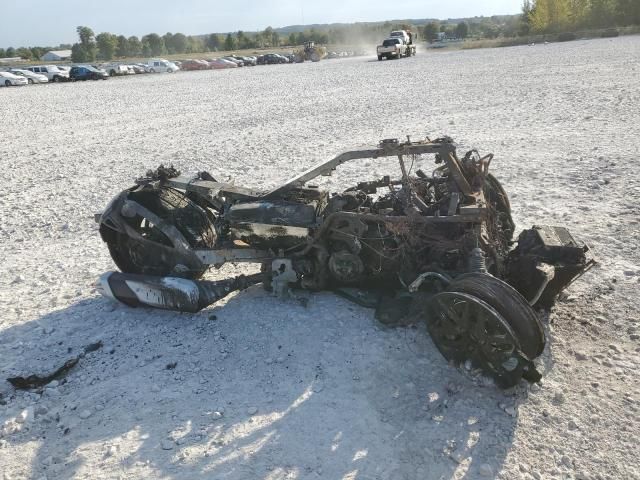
(175, 208)
(30, 81)
(7, 83)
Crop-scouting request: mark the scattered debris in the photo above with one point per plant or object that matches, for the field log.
(36, 381)
(51, 380)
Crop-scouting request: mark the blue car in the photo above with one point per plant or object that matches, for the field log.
(87, 72)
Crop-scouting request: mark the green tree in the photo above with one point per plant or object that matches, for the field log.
(134, 47)
(78, 54)
(11, 52)
(23, 52)
(195, 45)
(230, 43)
(292, 40)
(85, 51)
(602, 13)
(107, 45)
(179, 43)
(430, 31)
(462, 30)
(213, 43)
(3, 53)
(153, 43)
(122, 49)
(167, 38)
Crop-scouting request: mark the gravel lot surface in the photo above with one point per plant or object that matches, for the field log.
(272, 390)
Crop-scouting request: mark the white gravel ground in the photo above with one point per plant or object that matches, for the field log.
(321, 392)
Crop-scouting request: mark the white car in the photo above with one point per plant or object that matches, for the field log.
(52, 72)
(30, 76)
(160, 65)
(8, 79)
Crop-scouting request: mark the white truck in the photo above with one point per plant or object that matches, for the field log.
(160, 65)
(395, 47)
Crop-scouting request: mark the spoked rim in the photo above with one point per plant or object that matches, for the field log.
(463, 327)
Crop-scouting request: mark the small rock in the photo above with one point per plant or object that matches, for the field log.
(252, 410)
(572, 425)
(217, 415)
(536, 474)
(467, 365)
(18, 279)
(155, 388)
(510, 411)
(558, 398)
(269, 361)
(581, 356)
(167, 444)
(318, 387)
(566, 461)
(41, 410)
(486, 470)
(25, 416)
(112, 451)
(280, 359)
(84, 414)
(53, 384)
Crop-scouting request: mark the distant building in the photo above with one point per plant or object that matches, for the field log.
(56, 56)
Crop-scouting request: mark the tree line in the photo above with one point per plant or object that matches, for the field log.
(538, 16)
(555, 16)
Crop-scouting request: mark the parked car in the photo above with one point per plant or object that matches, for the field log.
(115, 69)
(52, 72)
(87, 72)
(271, 59)
(189, 65)
(160, 65)
(221, 63)
(8, 79)
(247, 61)
(140, 68)
(240, 63)
(30, 76)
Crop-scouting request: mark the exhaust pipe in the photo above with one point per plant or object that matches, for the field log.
(170, 293)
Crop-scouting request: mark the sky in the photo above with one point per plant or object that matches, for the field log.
(49, 23)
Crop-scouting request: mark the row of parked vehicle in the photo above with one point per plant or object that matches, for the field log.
(63, 73)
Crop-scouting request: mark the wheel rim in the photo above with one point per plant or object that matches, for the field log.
(464, 327)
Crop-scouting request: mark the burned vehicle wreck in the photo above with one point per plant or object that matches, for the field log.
(440, 243)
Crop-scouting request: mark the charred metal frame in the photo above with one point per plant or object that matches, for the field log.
(214, 191)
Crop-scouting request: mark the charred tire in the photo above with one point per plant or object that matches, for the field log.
(510, 304)
(175, 208)
(497, 196)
